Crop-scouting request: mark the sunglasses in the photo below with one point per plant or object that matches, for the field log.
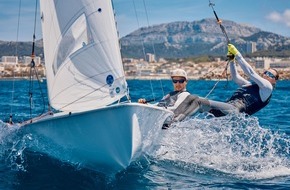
(181, 81)
(269, 74)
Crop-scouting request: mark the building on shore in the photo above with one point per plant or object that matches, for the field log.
(266, 63)
(27, 60)
(150, 58)
(11, 66)
(251, 47)
(204, 70)
(13, 60)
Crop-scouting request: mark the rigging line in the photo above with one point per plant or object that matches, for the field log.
(143, 46)
(32, 67)
(153, 47)
(138, 23)
(18, 25)
(35, 15)
(210, 71)
(228, 42)
(41, 91)
(152, 90)
(16, 54)
(219, 22)
(145, 7)
(161, 84)
(31, 88)
(33, 43)
(224, 71)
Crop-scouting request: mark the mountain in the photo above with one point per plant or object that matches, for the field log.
(20, 48)
(183, 39)
(204, 37)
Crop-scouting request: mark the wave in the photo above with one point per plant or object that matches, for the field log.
(11, 146)
(234, 144)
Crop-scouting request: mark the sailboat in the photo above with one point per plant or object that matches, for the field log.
(94, 126)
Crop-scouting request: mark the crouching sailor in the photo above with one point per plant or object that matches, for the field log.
(174, 99)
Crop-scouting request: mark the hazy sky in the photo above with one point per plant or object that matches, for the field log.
(268, 15)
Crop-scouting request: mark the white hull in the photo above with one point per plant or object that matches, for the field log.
(105, 139)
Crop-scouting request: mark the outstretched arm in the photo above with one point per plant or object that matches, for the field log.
(249, 71)
(237, 78)
(264, 85)
(247, 68)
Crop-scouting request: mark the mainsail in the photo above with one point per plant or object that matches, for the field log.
(82, 54)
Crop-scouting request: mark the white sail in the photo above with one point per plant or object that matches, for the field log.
(82, 54)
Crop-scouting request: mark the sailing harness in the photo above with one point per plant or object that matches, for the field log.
(170, 99)
(248, 99)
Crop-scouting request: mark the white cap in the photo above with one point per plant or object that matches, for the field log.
(179, 73)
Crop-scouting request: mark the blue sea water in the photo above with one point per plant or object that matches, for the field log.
(202, 152)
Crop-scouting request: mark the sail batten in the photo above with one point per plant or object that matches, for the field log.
(83, 63)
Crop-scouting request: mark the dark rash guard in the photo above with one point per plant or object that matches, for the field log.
(247, 99)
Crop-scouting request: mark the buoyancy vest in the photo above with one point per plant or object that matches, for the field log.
(169, 99)
(247, 99)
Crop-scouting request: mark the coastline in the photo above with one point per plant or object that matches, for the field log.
(168, 78)
(134, 78)
(19, 79)
(215, 70)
